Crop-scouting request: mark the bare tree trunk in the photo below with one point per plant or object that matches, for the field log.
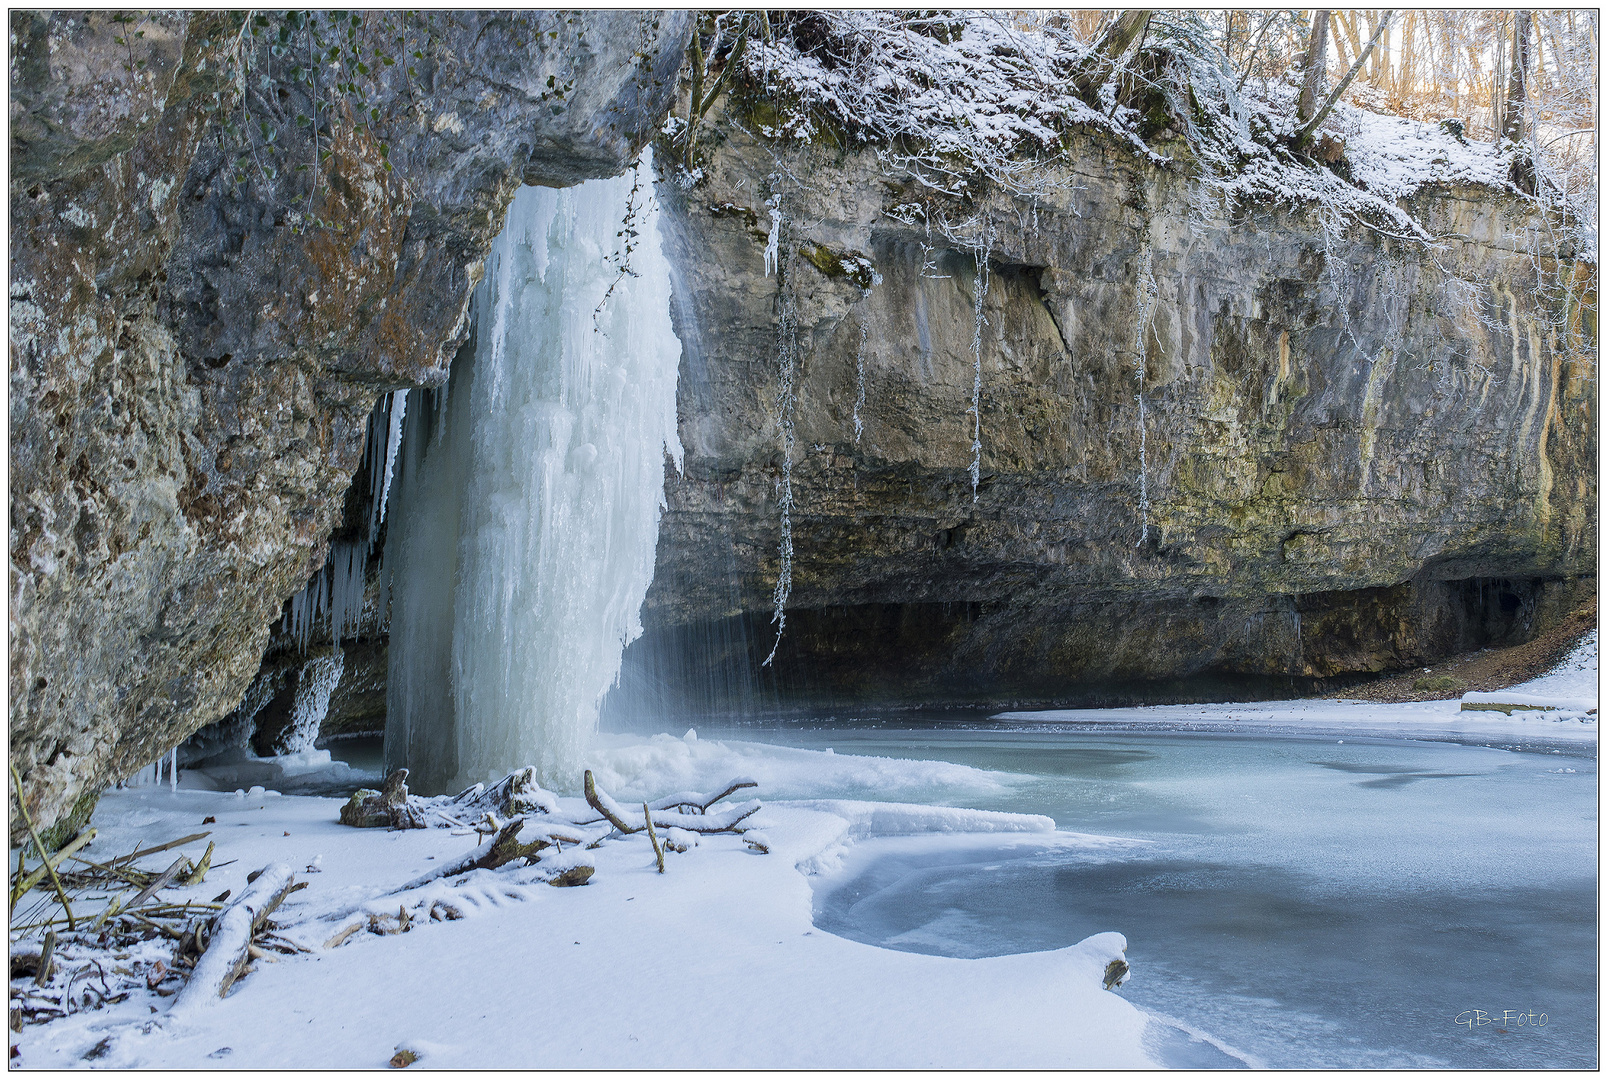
(1379, 70)
(1315, 64)
(1517, 91)
(1120, 33)
(1497, 78)
(1304, 136)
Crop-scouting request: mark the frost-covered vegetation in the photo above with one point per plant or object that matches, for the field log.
(965, 100)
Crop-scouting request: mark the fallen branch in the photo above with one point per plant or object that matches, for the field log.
(42, 976)
(140, 854)
(653, 839)
(499, 850)
(160, 882)
(702, 802)
(49, 864)
(600, 801)
(340, 937)
(199, 874)
(39, 846)
(724, 821)
(229, 938)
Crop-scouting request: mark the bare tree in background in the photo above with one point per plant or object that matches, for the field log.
(1517, 91)
(1315, 65)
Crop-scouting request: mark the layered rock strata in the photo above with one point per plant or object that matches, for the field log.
(1229, 446)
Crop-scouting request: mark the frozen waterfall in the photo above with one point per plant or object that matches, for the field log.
(527, 501)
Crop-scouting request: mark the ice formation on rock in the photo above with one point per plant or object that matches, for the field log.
(522, 541)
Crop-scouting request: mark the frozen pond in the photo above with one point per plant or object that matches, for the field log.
(1288, 901)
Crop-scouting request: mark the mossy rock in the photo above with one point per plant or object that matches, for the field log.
(1439, 683)
(844, 264)
(69, 825)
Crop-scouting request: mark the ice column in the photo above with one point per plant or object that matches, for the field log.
(523, 535)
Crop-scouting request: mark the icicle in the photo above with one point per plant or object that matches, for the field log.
(522, 540)
(173, 770)
(1147, 291)
(859, 378)
(393, 440)
(786, 408)
(979, 291)
(773, 241)
(344, 570)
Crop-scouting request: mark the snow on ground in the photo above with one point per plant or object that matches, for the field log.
(714, 964)
(1574, 682)
(1575, 678)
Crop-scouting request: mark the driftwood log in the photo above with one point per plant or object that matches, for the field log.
(228, 937)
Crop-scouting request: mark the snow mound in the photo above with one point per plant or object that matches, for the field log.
(635, 769)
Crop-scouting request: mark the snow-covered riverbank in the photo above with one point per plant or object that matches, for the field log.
(716, 963)
(1568, 692)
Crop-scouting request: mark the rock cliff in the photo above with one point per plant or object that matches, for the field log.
(217, 267)
(1211, 451)
(1248, 449)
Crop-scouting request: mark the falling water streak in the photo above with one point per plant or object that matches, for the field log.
(859, 377)
(1147, 287)
(979, 291)
(786, 405)
(522, 542)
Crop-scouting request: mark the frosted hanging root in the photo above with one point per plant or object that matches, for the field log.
(859, 378)
(979, 291)
(1147, 304)
(787, 404)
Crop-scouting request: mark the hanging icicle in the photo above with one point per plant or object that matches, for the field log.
(1147, 302)
(979, 292)
(335, 591)
(786, 410)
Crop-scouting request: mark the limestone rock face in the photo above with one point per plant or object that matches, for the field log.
(1212, 445)
(200, 325)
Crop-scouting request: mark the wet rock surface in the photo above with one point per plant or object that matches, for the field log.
(194, 356)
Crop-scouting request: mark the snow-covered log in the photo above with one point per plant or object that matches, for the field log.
(228, 947)
(501, 849)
